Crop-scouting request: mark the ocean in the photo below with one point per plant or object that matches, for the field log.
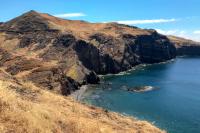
(173, 106)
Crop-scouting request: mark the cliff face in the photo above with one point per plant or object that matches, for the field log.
(107, 54)
(60, 55)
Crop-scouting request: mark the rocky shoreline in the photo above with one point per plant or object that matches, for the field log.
(77, 95)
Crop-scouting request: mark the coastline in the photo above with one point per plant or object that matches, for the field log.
(77, 95)
(138, 67)
(49, 112)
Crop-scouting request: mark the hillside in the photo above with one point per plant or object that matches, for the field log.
(25, 108)
(39, 52)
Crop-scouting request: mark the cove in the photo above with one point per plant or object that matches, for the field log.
(174, 107)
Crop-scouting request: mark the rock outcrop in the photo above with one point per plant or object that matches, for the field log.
(61, 55)
(141, 89)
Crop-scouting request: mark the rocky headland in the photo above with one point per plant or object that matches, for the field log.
(62, 55)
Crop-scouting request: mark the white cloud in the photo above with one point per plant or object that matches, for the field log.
(167, 32)
(172, 32)
(195, 35)
(197, 32)
(150, 21)
(70, 15)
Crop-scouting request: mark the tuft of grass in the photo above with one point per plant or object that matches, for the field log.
(95, 43)
(73, 72)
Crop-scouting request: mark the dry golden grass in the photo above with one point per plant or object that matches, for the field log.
(2, 37)
(84, 29)
(28, 109)
(73, 72)
(9, 45)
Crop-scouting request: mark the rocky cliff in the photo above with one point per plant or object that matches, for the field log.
(60, 55)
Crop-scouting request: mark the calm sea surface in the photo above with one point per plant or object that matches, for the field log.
(174, 106)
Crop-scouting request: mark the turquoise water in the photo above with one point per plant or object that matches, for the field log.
(174, 107)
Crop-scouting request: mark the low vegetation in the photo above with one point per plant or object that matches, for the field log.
(25, 108)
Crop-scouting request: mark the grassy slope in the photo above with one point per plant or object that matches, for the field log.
(24, 108)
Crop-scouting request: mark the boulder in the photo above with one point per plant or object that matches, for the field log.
(141, 89)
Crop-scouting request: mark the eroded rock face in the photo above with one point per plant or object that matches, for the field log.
(109, 55)
(155, 48)
(149, 48)
(46, 77)
(40, 39)
(53, 79)
(93, 59)
(188, 50)
(64, 40)
(92, 78)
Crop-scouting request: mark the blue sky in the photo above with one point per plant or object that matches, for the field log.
(177, 17)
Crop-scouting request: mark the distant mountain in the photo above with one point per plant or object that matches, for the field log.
(185, 46)
(60, 55)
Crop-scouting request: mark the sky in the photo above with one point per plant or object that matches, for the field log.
(171, 17)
